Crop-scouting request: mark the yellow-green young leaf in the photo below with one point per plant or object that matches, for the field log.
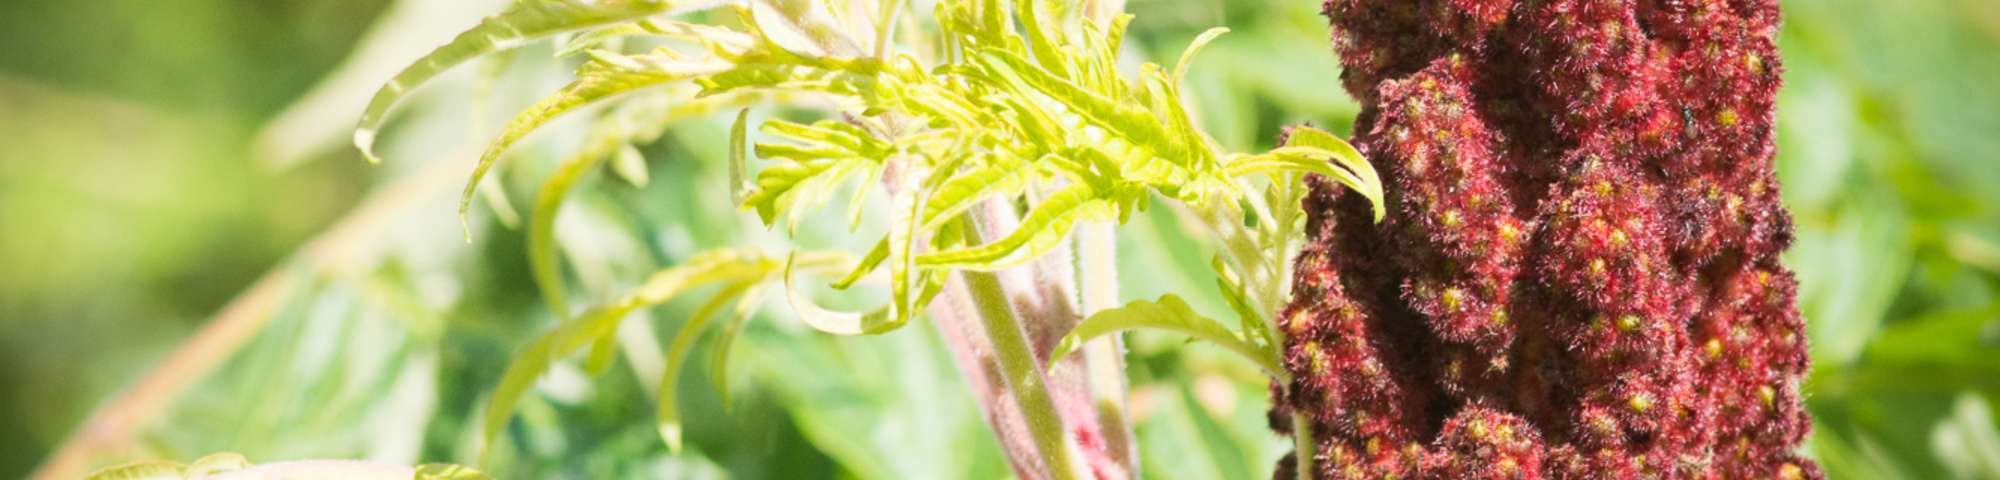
(526, 368)
(668, 410)
(904, 228)
(636, 120)
(1124, 119)
(1187, 56)
(528, 21)
(447, 471)
(1045, 43)
(591, 38)
(713, 266)
(1344, 155)
(606, 76)
(1252, 322)
(1170, 313)
(1042, 229)
(631, 165)
(155, 470)
(871, 174)
(739, 177)
(868, 263)
(999, 175)
(541, 230)
(213, 464)
(831, 321)
(718, 363)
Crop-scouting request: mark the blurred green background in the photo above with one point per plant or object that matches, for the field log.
(156, 158)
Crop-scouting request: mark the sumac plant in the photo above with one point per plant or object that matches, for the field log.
(1579, 275)
(1572, 273)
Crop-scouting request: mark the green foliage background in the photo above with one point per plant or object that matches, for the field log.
(157, 157)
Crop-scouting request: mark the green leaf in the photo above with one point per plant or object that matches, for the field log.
(831, 321)
(631, 165)
(1169, 313)
(1043, 228)
(1132, 122)
(541, 230)
(868, 263)
(998, 175)
(668, 409)
(1366, 181)
(636, 120)
(725, 341)
(447, 471)
(528, 21)
(155, 470)
(213, 464)
(713, 266)
(1187, 56)
(606, 76)
(739, 183)
(590, 39)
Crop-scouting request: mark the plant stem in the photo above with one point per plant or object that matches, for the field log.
(1023, 372)
(1302, 440)
(1097, 251)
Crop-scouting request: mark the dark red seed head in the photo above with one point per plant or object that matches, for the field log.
(1579, 277)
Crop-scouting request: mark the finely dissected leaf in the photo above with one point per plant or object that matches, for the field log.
(156, 470)
(447, 471)
(1367, 182)
(631, 122)
(631, 165)
(541, 231)
(739, 183)
(1000, 175)
(1042, 229)
(529, 21)
(1127, 121)
(1253, 323)
(725, 341)
(669, 422)
(868, 263)
(830, 321)
(215, 463)
(592, 38)
(1169, 313)
(1187, 56)
(606, 76)
(727, 266)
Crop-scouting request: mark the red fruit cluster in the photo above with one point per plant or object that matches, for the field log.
(1579, 276)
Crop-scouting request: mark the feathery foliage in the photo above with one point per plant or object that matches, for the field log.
(1038, 117)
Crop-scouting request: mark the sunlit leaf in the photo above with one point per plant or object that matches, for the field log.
(140, 471)
(216, 463)
(669, 422)
(1042, 229)
(1169, 313)
(608, 75)
(447, 471)
(528, 21)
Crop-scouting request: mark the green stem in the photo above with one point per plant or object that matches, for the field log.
(1097, 248)
(1022, 371)
(1302, 439)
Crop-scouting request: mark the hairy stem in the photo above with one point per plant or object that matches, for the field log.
(1023, 372)
(1097, 251)
(1302, 440)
